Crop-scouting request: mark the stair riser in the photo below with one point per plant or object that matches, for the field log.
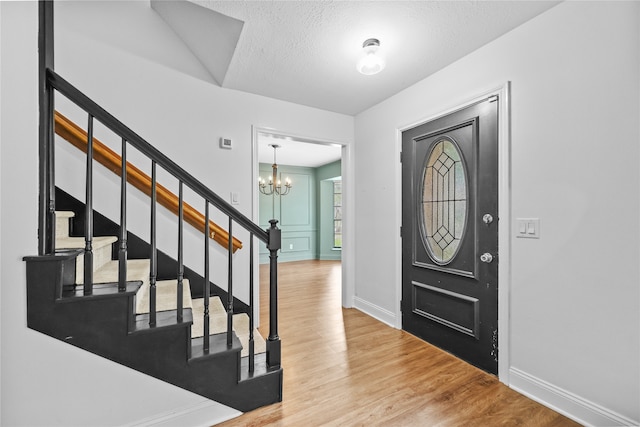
(101, 256)
(62, 226)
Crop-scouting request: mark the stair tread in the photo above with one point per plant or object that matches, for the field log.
(218, 324)
(79, 242)
(164, 319)
(137, 269)
(65, 214)
(101, 290)
(217, 346)
(260, 369)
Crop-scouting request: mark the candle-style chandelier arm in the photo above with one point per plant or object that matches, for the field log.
(275, 186)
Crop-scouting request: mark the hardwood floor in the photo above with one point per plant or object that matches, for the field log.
(344, 368)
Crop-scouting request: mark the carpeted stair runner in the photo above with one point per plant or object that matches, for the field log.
(106, 271)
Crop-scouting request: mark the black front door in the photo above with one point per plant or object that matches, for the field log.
(450, 233)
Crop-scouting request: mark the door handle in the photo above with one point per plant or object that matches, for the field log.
(487, 219)
(486, 257)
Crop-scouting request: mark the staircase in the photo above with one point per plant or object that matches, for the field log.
(99, 292)
(115, 324)
(106, 271)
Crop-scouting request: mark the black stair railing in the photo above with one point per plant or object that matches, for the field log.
(88, 214)
(206, 290)
(180, 290)
(122, 247)
(230, 285)
(154, 250)
(273, 342)
(251, 295)
(271, 236)
(46, 162)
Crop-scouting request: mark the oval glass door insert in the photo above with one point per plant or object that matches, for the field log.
(444, 201)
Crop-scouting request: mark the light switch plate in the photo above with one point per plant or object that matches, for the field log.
(235, 198)
(528, 228)
(225, 143)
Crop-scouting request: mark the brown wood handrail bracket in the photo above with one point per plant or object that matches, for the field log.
(112, 161)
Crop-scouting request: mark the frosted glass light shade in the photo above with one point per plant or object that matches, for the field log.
(370, 63)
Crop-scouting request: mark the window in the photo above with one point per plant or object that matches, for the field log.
(444, 201)
(337, 214)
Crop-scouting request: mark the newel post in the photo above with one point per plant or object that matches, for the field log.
(273, 342)
(46, 180)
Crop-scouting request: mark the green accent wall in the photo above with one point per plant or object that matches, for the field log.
(296, 213)
(305, 215)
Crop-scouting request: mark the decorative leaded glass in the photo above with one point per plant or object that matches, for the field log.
(444, 201)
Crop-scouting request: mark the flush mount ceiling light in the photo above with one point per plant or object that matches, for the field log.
(370, 63)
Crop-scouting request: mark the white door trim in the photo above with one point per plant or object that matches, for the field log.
(504, 215)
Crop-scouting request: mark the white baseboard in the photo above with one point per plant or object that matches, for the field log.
(566, 403)
(203, 414)
(383, 315)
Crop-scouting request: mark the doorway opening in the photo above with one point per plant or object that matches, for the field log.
(315, 215)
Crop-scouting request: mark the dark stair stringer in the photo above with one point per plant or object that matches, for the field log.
(105, 324)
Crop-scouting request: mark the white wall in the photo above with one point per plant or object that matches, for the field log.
(150, 81)
(0, 217)
(46, 382)
(575, 327)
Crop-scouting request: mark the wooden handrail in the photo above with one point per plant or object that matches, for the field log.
(112, 161)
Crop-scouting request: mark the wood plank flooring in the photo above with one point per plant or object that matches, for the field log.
(344, 368)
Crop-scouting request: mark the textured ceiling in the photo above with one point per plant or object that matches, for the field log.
(305, 51)
(302, 51)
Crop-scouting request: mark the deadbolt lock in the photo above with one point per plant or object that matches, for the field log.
(486, 257)
(487, 219)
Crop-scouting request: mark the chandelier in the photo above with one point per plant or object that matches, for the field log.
(275, 185)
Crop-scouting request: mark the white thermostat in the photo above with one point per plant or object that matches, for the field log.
(225, 143)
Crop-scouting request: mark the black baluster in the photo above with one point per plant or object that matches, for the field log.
(122, 253)
(180, 251)
(88, 214)
(46, 146)
(51, 180)
(154, 251)
(251, 343)
(206, 278)
(230, 288)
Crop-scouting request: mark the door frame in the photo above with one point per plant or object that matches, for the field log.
(348, 218)
(504, 215)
